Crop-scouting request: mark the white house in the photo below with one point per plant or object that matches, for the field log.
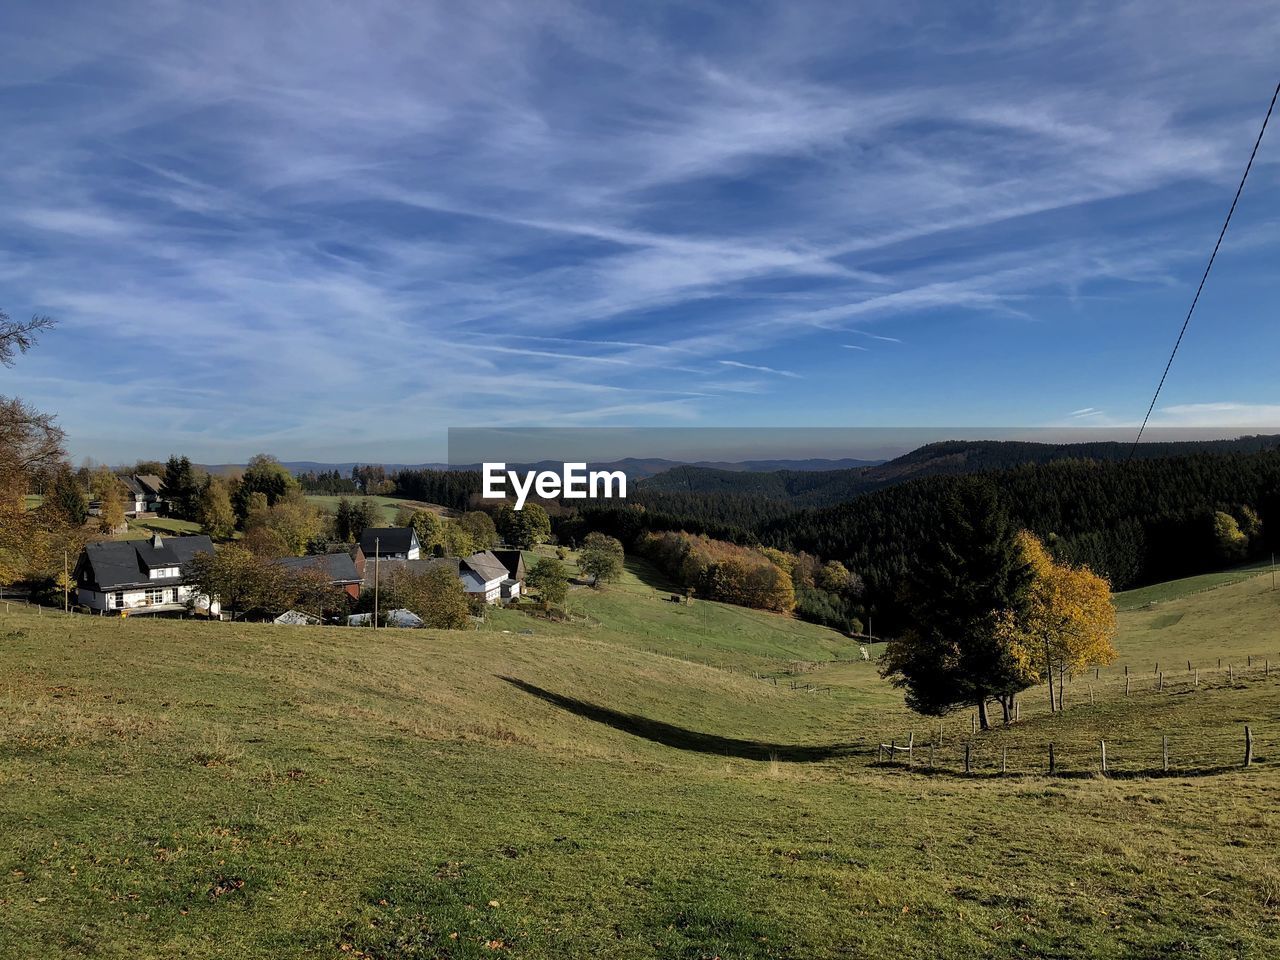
(390, 543)
(144, 493)
(140, 576)
(484, 574)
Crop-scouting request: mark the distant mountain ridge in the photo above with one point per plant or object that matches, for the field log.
(634, 467)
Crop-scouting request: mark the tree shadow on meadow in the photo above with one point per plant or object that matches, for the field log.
(682, 738)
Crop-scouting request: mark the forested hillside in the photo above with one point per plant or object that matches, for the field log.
(950, 457)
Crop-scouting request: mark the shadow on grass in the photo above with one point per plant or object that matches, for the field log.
(682, 738)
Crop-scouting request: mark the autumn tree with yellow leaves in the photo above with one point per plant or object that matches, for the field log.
(1068, 624)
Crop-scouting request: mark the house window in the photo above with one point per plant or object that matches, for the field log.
(156, 595)
(117, 600)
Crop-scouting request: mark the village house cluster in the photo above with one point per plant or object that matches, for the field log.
(152, 576)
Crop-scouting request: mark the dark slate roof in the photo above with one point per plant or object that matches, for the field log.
(387, 566)
(156, 552)
(487, 566)
(133, 486)
(513, 560)
(338, 567)
(114, 564)
(389, 540)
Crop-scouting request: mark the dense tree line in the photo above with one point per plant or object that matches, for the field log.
(327, 482)
(717, 570)
(449, 488)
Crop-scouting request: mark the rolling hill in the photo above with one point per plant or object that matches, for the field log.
(630, 785)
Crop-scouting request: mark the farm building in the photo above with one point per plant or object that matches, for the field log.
(139, 576)
(482, 573)
(513, 560)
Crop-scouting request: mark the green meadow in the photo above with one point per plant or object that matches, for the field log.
(387, 507)
(649, 779)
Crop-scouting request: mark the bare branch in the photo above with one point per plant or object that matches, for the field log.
(18, 337)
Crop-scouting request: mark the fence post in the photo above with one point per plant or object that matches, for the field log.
(1231, 676)
(1126, 685)
(1097, 673)
(1248, 660)
(939, 733)
(1053, 766)
(1004, 760)
(1248, 746)
(1160, 682)
(974, 719)
(966, 756)
(1017, 710)
(1164, 749)
(1188, 666)
(1197, 676)
(931, 756)
(1091, 694)
(1102, 744)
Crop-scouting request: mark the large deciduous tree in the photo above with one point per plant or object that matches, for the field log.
(523, 528)
(953, 650)
(265, 475)
(550, 579)
(232, 575)
(601, 558)
(215, 514)
(107, 489)
(1069, 622)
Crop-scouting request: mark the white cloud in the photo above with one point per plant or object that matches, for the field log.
(758, 368)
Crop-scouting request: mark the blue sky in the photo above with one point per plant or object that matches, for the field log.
(331, 231)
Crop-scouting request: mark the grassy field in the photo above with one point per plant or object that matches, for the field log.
(1176, 589)
(387, 507)
(630, 784)
(140, 529)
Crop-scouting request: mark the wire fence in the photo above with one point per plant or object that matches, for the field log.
(1180, 753)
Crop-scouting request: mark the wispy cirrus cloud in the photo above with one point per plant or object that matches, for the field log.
(272, 219)
(759, 368)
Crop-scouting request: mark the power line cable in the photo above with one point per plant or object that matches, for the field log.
(1209, 266)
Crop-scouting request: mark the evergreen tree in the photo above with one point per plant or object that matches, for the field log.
(65, 502)
(971, 576)
(181, 489)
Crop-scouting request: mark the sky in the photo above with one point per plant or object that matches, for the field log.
(332, 231)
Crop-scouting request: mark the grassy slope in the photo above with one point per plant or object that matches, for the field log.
(1176, 589)
(385, 790)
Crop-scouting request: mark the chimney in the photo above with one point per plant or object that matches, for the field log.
(156, 542)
